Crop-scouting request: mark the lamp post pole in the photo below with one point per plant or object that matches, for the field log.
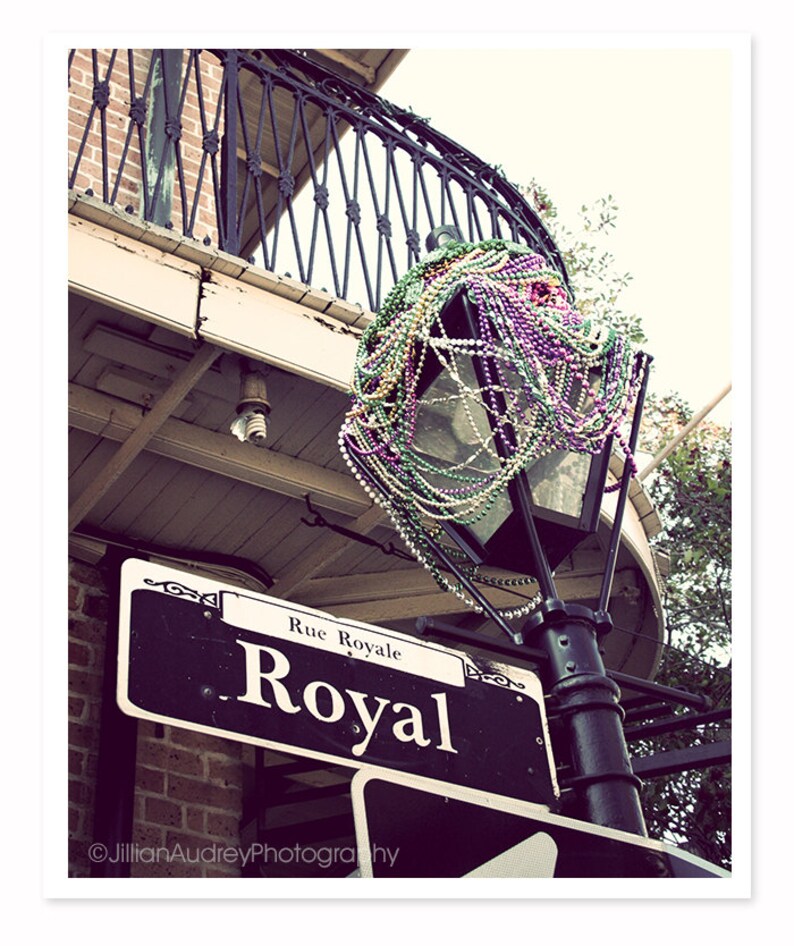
(587, 700)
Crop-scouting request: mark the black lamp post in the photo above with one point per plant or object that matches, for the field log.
(548, 507)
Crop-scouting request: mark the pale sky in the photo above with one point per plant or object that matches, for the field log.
(654, 127)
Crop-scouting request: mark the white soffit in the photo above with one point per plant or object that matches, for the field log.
(289, 335)
(131, 277)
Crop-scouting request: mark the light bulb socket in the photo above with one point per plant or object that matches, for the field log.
(253, 406)
(253, 390)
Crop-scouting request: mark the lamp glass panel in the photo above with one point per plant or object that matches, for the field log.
(452, 432)
(558, 481)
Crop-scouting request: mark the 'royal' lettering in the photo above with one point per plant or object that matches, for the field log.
(443, 722)
(369, 721)
(254, 677)
(337, 703)
(325, 703)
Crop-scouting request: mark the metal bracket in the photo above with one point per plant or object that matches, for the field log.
(321, 523)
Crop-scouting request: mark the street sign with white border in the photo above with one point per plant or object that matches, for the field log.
(406, 827)
(212, 658)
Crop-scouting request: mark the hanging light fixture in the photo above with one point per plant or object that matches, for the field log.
(253, 405)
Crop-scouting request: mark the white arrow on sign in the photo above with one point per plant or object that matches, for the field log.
(534, 857)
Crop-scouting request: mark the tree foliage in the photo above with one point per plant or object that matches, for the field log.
(596, 283)
(692, 493)
(691, 490)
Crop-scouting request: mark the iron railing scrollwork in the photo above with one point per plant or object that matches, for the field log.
(275, 159)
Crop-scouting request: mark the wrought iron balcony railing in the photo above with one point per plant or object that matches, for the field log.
(274, 159)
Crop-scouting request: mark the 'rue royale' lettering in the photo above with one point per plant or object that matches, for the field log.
(406, 722)
(345, 639)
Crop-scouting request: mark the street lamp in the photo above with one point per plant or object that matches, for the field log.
(484, 412)
(453, 432)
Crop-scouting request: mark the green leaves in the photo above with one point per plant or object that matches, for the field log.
(591, 266)
(692, 494)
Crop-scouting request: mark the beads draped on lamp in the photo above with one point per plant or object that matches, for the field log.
(568, 384)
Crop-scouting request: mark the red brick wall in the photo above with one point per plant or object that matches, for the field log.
(87, 626)
(188, 786)
(188, 802)
(90, 172)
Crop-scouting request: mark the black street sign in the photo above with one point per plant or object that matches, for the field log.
(215, 659)
(408, 829)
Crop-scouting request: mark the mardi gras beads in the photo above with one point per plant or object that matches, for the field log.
(555, 380)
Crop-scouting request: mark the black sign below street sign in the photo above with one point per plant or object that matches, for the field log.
(215, 659)
(454, 832)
